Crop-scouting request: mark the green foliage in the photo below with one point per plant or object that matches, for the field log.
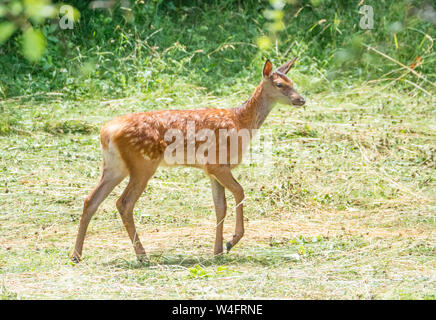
(198, 272)
(27, 16)
(7, 122)
(33, 43)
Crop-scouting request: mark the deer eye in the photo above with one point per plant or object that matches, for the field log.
(279, 85)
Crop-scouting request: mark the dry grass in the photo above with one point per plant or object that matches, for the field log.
(346, 210)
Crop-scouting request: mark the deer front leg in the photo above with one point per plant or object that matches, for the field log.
(219, 200)
(224, 176)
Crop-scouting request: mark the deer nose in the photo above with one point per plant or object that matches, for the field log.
(301, 101)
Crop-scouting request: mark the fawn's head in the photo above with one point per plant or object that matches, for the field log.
(279, 86)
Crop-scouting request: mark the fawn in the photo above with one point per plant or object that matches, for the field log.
(134, 145)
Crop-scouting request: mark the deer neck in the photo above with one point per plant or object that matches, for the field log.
(254, 111)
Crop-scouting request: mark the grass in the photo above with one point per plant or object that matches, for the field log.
(346, 210)
(107, 54)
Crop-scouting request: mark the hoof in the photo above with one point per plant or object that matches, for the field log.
(228, 246)
(75, 259)
(142, 258)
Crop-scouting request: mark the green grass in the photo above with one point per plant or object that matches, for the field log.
(213, 44)
(346, 211)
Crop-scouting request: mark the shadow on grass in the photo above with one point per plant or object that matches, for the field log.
(259, 256)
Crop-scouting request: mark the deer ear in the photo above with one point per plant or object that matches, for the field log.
(287, 66)
(267, 69)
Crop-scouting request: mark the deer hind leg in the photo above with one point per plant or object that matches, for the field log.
(225, 178)
(109, 180)
(140, 172)
(219, 200)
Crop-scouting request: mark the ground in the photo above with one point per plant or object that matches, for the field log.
(346, 210)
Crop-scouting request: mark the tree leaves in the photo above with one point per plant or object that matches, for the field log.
(6, 30)
(33, 44)
(28, 16)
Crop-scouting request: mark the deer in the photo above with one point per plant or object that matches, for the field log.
(134, 145)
